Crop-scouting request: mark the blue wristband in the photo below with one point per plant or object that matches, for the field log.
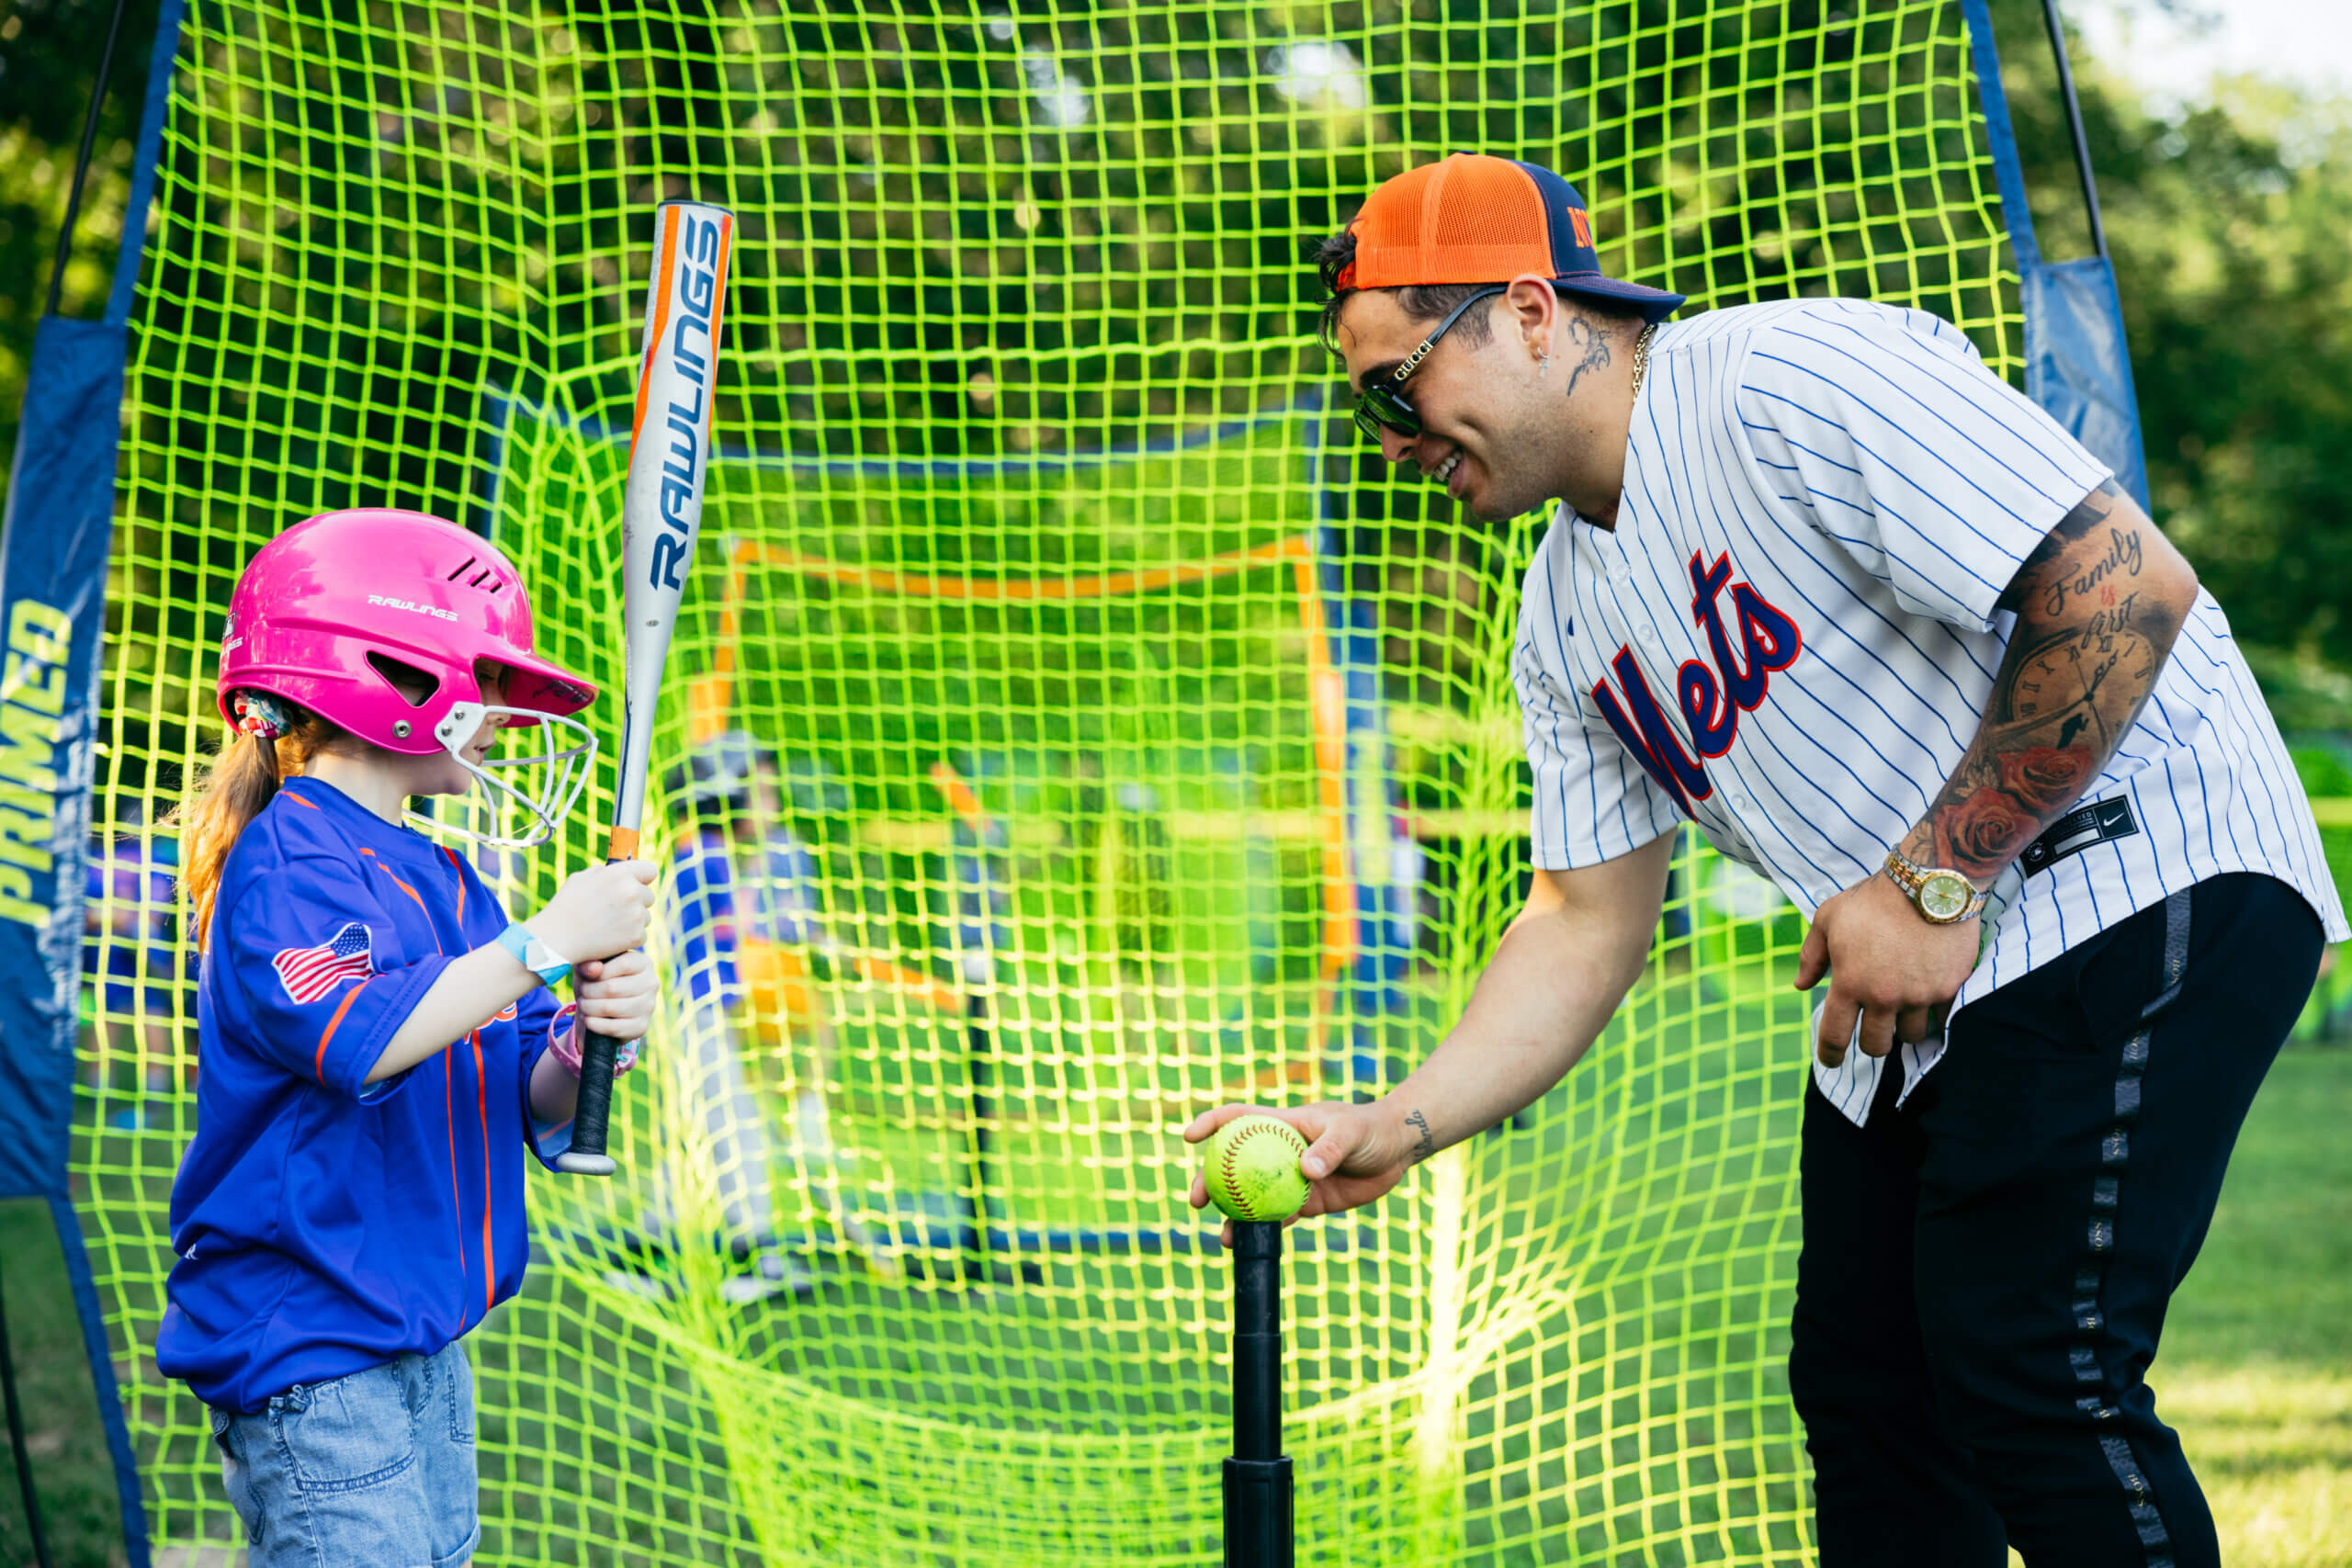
(533, 954)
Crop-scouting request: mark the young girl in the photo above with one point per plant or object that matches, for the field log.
(376, 1040)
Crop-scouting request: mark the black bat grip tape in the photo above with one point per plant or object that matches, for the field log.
(594, 1112)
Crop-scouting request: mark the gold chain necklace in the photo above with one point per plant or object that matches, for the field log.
(1642, 358)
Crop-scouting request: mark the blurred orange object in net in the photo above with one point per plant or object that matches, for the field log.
(775, 981)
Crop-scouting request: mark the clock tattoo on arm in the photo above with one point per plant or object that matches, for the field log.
(2090, 638)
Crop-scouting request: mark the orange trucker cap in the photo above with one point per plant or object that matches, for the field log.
(1476, 219)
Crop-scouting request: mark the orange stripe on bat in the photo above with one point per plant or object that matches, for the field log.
(622, 845)
(718, 308)
(664, 283)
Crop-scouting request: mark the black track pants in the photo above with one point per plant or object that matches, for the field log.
(1985, 1270)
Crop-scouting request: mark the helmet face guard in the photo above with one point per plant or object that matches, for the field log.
(526, 796)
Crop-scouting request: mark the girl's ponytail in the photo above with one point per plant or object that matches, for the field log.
(243, 779)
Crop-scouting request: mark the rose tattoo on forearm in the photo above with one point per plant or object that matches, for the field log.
(2091, 634)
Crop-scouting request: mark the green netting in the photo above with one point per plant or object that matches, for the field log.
(1027, 478)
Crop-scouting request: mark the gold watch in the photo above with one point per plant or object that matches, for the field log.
(1942, 896)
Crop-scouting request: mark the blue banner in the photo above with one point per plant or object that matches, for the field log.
(56, 537)
(54, 548)
(2077, 367)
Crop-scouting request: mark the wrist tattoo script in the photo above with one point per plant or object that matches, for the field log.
(2089, 642)
(1426, 1144)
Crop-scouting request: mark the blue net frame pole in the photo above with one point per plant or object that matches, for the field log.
(2050, 19)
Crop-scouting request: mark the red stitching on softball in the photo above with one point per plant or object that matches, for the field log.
(1233, 1146)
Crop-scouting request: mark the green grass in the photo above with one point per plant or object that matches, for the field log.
(61, 1432)
(2256, 1366)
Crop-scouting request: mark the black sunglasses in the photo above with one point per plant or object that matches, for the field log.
(1382, 406)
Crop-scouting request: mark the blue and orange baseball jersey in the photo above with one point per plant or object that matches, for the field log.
(326, 1224)
(716, 911)
(1791, 634)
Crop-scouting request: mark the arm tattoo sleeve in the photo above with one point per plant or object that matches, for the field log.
(2091, 634)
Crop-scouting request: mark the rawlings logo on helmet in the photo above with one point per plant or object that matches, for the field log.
(412, 605)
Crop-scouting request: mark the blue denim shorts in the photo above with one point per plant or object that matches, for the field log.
(375, 1468)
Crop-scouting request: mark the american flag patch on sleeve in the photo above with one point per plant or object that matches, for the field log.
(309, 972)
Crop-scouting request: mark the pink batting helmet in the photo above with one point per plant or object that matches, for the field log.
(321, 607)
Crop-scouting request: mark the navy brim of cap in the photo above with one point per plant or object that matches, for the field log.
(1655, 304)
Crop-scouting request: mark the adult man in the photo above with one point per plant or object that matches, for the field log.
(1826, 587)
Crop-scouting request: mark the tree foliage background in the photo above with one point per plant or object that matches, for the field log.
(2226, 223)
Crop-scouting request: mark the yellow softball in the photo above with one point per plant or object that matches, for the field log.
(1253, 1168)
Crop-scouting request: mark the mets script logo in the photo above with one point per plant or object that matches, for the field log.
(1711, 700)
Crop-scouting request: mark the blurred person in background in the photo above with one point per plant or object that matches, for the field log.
(744, 910)
(132, 962)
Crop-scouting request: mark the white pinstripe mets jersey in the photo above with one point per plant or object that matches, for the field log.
(1790, 638)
